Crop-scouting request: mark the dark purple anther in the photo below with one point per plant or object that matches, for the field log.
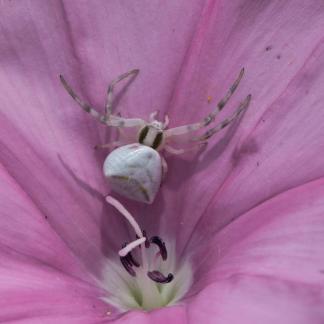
(127, 265)
(147, 242)
(128, 261)
(161, 245)
(132, 260)
(157, 276)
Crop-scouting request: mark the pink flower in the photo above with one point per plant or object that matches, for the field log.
(247, 214)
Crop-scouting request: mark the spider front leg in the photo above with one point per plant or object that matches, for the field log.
(225, 122)
(110, 120)
(110, 91)
(211, 116)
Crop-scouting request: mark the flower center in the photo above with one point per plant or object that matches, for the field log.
(148, 275)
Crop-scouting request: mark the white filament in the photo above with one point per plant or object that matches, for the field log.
(129, 247)
(112, 201)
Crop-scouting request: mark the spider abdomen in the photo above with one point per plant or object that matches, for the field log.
(134, 171)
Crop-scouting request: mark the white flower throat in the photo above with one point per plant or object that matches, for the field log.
(154, 282)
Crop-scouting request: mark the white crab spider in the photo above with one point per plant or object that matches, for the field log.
(136, 170)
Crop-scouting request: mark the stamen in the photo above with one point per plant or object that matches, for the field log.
(112, 201)
(126, 263)
(131, 259)
(161, 245)
(157, 276)
(147, 242)
(129, 247)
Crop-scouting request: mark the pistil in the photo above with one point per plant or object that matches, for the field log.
(143, 243)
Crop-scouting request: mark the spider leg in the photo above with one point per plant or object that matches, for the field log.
(164, 168)
(221, 104)
(85, 106)
(211, 116)
(153, 115)
(108, 108)
(166, 121)
(107, 120)
(243, 105)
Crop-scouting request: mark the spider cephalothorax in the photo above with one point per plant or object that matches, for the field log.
(152, 134)
(136, 170)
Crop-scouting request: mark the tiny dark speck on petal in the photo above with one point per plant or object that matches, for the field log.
(46, 217)
(321, 271)
(278, 57)
(268, 48)
(258, 163)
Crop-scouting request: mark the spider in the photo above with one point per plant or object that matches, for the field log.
(136, 170)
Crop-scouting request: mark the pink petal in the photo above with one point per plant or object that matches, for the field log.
(268, 265)
(175, 314)
(276, 145)
(36, 291)
(25, 230)
(244, 299)
(40, 278)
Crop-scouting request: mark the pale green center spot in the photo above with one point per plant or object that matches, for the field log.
(140, 292)
(130, 287)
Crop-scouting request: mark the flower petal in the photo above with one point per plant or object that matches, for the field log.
(34, 292)
(276, 144)
(270, 259)
(175, 314)
(244, 299)
(24, 229)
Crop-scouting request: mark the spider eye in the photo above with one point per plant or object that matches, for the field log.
(143, 134)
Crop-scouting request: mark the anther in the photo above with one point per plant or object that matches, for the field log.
(130, 259)
(161, 245)
(127, 265)
(147, 242)
(157, 276)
